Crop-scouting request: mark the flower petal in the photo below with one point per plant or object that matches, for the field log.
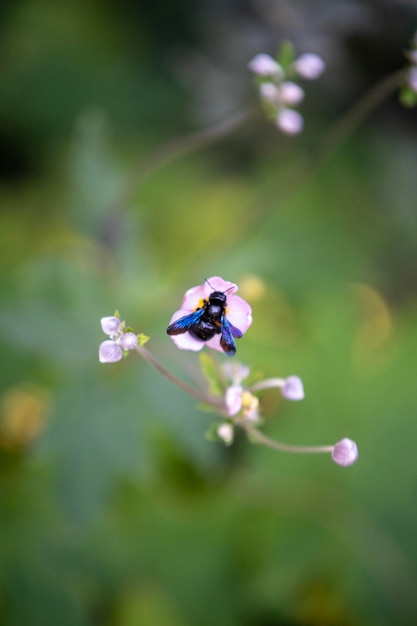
(109, 352)
(192, 298)
(110, 325)
(216, 283)
(214, 343)
(233, 399)
(187, 342)
(236, 372)
(239, 313)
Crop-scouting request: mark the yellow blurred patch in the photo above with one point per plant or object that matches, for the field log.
(22, 416)
(375, 329)
(252, 288)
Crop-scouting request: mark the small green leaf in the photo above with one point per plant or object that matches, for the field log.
(116, 313)
(408, 97)
(211, 434)
(286, 54)
(142, 339)
(211, 373)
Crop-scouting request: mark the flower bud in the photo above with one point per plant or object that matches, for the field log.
(269, 92)
(412, 55)
(309, 66)
(412, 78)
(236, 372)
(345, 452)
(225, 432)
(128, 341)
(290, 122)
(293, 388)
(291, 93)
(264, 65)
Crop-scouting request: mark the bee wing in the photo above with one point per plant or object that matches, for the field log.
(235, 331)
(183, 324)
(226, 340)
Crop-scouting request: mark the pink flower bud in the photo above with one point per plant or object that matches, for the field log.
(293, 388)
(128, 341)
(264, 65)
(291, 93)
(290, 122)
(269, 92)
(345, 452)
(412, 78)
(412, 55)
(309, 66)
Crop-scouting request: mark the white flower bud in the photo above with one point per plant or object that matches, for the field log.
(225, 432)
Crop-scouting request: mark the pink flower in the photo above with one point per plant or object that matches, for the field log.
(238, 312)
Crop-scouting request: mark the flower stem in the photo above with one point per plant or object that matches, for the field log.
(176, 148)
(257, 436)
(268, 383)
(354, 117)
(203, 397)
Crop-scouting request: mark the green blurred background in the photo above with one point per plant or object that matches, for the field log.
(114, 509)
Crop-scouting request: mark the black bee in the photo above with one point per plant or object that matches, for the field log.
(209, 320)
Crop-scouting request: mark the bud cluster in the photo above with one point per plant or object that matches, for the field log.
(279, 94)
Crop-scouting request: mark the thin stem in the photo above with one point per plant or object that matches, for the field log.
(206, 398)
(268, 383)
(176, 148)
(256, 435)
(354, 117)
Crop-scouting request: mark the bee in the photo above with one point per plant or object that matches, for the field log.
(207, 321)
